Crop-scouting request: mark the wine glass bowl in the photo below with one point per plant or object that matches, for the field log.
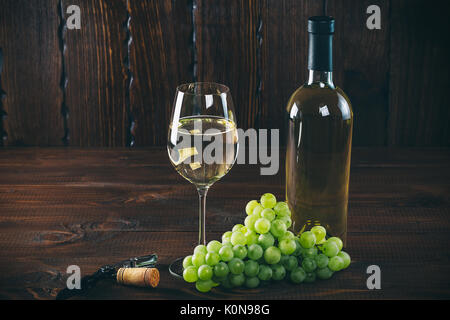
(203, 141)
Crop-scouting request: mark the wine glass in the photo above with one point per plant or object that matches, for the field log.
(202, 142)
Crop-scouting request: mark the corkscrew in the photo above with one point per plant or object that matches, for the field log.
(138, 271)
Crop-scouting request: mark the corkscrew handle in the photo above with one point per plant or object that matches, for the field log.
(139, 277)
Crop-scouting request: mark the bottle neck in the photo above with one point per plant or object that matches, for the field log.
(322, 78)
(320, 59)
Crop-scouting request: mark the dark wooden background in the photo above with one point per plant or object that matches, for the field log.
(112, 82)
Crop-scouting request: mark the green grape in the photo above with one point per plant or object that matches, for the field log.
(281, 206)
(205, 272)
(250, 222)
(283, 259)
(190, 274)
(289, 263)
(244, 230)
(320, 233)
(346, 257)
(251, 237)
(278, 272)
(226, 283)
(255, 252)
(282, 210)
(198, 259)
(237, 227)
(298, 275)
(287, 235)
(237, 280)
(187, 262)
(321, 260)
(238, 238)
(212, 258)
(221, 270)
(310, 252)
(336, 263)
(272, 255)
(337, 241)
(266, 240)
(269, 214)
(265, 272)
(262, 225)
(330, 249)
(310, 277)
(285, 213)
(226, 253)
(307, 239)
(309, 265)
(287, 246)
(214, 246)
(218, 280)
(252, 282)
(200, 249)
(204, 285)
(324, 273)
(240, 251)
(278, 228)
(268, 200)
(287, 221)
(226, 237)
(321, 241)
(298, 248)
(236, 266)
(251, 268)
(257, 210)
(250, 206)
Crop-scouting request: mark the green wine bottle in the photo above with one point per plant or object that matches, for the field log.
(319, 141)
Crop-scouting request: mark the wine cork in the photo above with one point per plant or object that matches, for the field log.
(139, 277)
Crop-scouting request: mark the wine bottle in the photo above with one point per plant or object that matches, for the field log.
(319, 141)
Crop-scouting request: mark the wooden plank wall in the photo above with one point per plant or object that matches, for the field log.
(31, 72)
(112, 83)
(420, 73)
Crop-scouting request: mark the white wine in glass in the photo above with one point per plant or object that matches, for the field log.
(189, 162)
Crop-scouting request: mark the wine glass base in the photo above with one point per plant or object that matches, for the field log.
(176, 268)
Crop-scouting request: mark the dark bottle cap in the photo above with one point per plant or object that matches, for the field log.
(320, 53)
(321, 25)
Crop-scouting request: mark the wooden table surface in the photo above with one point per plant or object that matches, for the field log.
(90, 207)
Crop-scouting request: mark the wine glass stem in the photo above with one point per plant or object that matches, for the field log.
(202, 215)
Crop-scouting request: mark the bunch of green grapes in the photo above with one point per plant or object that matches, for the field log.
(263, 249)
